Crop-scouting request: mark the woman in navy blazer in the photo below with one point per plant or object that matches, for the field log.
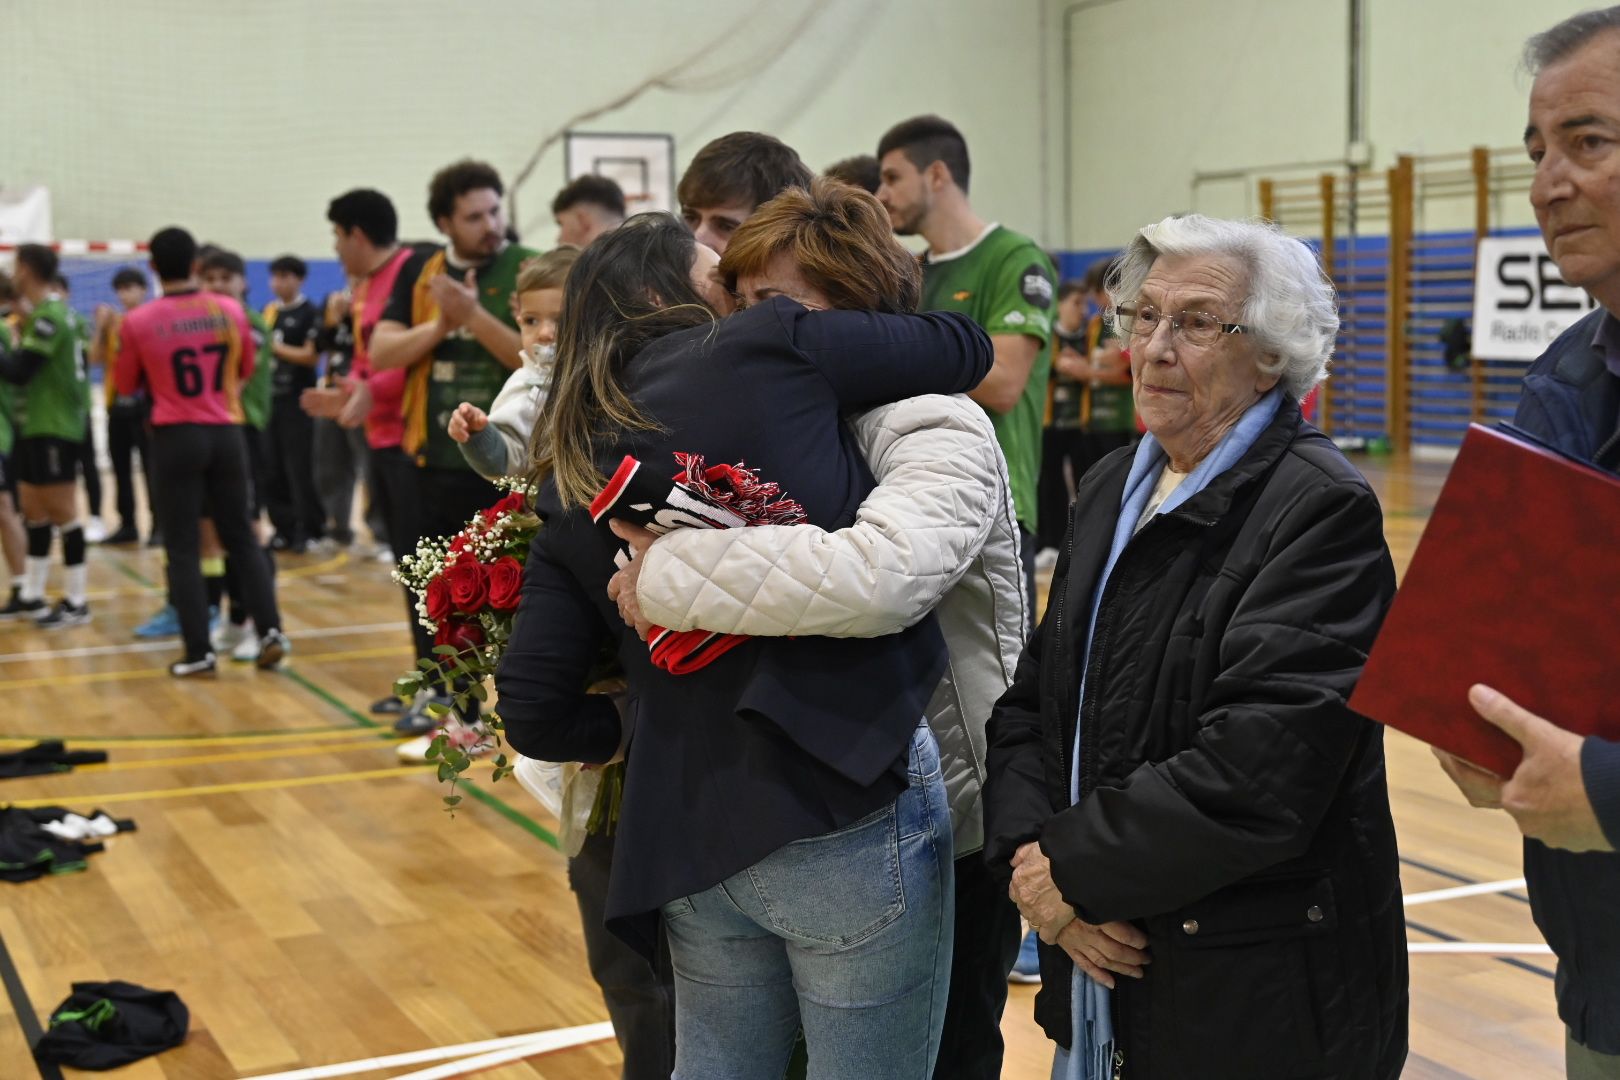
(783, 810)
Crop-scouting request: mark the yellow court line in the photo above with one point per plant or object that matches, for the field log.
(86, 678)
(177, 741)
(223, 789)
(244, 755)
(338, 560)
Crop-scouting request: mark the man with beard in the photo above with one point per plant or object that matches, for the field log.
(449, 324)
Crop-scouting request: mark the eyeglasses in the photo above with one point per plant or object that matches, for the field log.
(1195, 327)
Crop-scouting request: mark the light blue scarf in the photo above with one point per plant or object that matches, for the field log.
(1089, 1012)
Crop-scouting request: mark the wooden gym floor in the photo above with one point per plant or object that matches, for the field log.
(313, 905)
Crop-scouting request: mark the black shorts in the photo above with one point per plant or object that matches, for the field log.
(45, 460)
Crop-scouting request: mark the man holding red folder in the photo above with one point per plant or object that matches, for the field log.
(1565, 796)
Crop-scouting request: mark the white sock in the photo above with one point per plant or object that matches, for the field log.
(19, 581)
(76, 576)
(39, 572)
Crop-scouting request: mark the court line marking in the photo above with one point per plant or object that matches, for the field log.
(22, 1007)
(277, 754)
(545, 1041)
(478, 794)
(393, 772)
(1452, 939)
(85, 678)
(1483, 888)
(170, 742)
(169, 644)
(549, 1043)
(1486, 948)
(1451, 875)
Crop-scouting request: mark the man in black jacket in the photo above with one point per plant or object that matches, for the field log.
(1565, 796)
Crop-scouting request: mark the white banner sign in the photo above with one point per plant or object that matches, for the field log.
(25, 216)
(1521, 302)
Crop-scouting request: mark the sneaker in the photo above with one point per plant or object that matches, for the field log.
(191, 669)
(388, 706)
(166, 623)
(155, 540)
(65, 615)
(384, 554)
(1046, 559)
(126, 535)
(417, 720)
(1028, 968)
(471, 739)
(273, 650)
(95, 531)
(19, 608)
(230, 634)
(247, 650)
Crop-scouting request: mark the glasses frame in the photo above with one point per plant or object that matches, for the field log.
(1128, 314)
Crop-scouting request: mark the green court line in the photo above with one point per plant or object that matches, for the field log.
(130, 572)
(494, 802)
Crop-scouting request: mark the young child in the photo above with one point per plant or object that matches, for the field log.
(496, 443)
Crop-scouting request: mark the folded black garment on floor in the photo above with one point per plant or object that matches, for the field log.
(46, 757)
(51, 840)
(103, 1025)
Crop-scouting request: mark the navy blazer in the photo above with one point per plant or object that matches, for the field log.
(778, 739)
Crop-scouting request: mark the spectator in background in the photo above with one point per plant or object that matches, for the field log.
(1061, 441)
(294, 322)
(999, 277)
(731, 176)
(587, 207)
(340, 453)
(1565, 795)
(127, 418)
(861, 170)
(13, 538)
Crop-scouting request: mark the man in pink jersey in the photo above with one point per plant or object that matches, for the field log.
(190, 351)
(365, 231)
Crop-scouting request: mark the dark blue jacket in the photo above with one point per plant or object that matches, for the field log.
(779, 739)
(1572, 400)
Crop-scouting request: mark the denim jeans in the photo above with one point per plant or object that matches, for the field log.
(846, 935)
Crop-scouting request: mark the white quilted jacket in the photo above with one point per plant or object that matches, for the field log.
(937, 534)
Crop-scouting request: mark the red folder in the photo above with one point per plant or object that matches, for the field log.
(1516, 584)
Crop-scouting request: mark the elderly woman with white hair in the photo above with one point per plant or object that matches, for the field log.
(1191, 816)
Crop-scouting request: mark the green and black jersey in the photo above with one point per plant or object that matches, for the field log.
(54, 403)
(460, 368)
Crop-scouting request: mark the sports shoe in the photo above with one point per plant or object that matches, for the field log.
(1028, 968)
(247, 650)
(1046, 559)
(388, 706)
(166, 623)
(273, 649)
(472, 739)
(384, 555)
(19, 608)
(95, 531)
(417, 720)
(229, 635)
(65, 615)
(191, 669)
(125, 535)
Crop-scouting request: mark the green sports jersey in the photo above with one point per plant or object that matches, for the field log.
(8, 433)
(52, 404)
(256, 391)
(1006, 284)
(460, 369)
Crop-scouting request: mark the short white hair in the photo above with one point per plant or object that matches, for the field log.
(1291, 308)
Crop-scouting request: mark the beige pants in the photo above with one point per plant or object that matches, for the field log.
(1583, 1064)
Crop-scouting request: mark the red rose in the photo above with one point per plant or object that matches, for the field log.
(438, 599)
(459, 544)
(469, 585)
(505, 583)
(513, 503)
(463, 635)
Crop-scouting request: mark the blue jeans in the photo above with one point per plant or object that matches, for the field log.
(846, 936)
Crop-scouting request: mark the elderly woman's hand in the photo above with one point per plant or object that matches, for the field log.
(1037, 895)
(1112, 947)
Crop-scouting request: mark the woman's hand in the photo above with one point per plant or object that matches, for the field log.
(622, 586)
(467, 421)
(1115, 947)
(1037, 895)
